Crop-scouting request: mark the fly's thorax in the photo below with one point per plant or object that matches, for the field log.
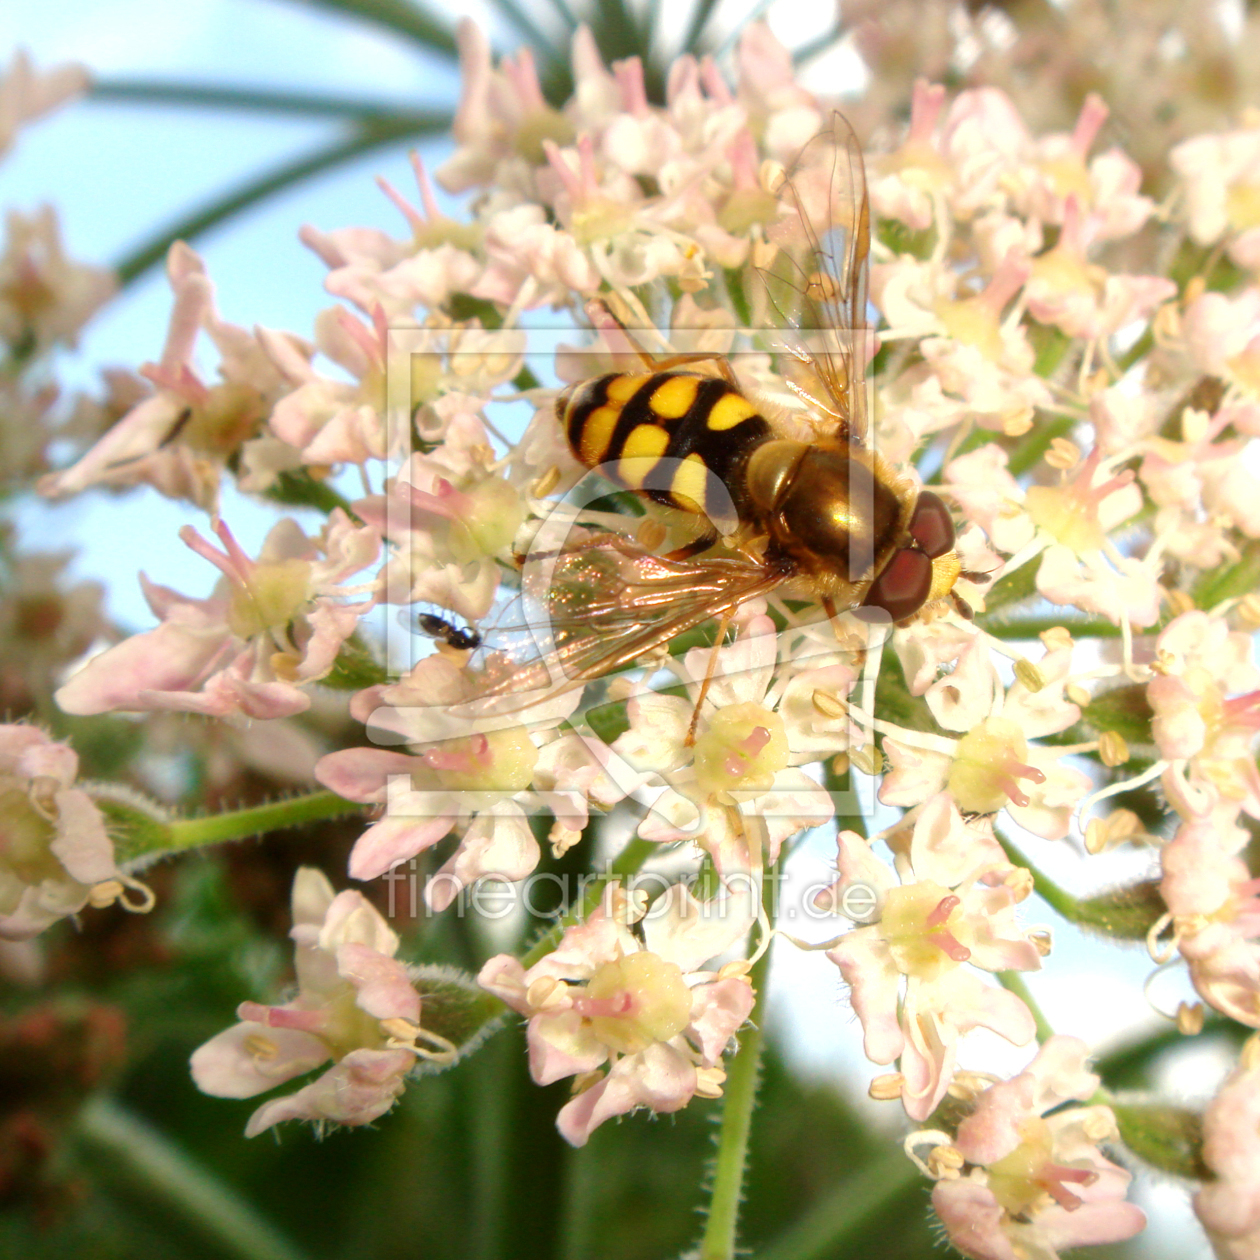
(828, 509)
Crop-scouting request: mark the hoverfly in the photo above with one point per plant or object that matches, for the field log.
(806, 508)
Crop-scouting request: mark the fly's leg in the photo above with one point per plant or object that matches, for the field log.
(723, 626)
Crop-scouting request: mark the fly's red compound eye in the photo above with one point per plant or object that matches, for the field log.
(902, 588)
(931, 526)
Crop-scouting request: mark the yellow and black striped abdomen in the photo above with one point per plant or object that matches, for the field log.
(665, 434)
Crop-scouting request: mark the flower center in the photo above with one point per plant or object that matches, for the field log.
(1070, 511)
(742, 749)
(24, 838)
(1021, 1180)
(272, 595)
(919, 923)
(502, 761)
(636, 1001)
(988, 766)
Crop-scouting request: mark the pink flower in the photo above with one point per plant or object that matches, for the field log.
(1201, 724)
(1229, 1206)
(45, 298)
(26, 94)
(955, 905)
(180, 438)
(467, 771)
(55, 854)
(644, 1010)
(753, 734)
(1030, 1184)
(1219, 174)
(355, 1005)
(273, 625)
(1214, 905)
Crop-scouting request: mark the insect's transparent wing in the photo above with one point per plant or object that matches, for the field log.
(817, 280)
(602, 605)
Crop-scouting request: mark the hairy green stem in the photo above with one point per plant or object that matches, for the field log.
(740, 1095)
(129, 1149)
(1057, 898)
(257, 820)
(1014, 983)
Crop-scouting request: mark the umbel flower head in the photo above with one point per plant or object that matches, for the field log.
(636, 1020)
(55, 854)
(355, 1005)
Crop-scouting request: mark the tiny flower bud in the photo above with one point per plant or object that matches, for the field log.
(1056, 638)
(945, 1162)
(562, 839)
(1077, 694)
(736, 969)
(868, 760)
(1042, 941)
(1020, 881)
(1180, 602)
(709, 1082)
(546, 483)
(1248, 612)
(840, 763)
(545, 992)
(1112, 749)
(887, 1087)
(828, 704)
(1029, 675)
(1190, 1018)
(1063, 454)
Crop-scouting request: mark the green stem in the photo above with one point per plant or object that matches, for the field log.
(256, 100)
(1057, 898)
(626, 863)
(257, 820)
(405, 17)
(832, 1226)
(375, 135)
(126, 1147)
(1014, 983)
(739, 1097)
(1031, 627)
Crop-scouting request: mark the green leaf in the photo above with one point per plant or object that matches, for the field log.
(1166, 1137)
(1127, 913)
(297, 488)
(1036, 442)
(1230, 581)
(1014, 588)
(1124, 710)
(453, 1006)
(1050, 345)
(356, 667)
(135, 825)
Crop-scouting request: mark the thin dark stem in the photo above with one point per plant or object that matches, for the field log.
(255, 100)
(365, 140)
(405, 17)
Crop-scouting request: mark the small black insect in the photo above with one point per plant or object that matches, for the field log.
(462, 640)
